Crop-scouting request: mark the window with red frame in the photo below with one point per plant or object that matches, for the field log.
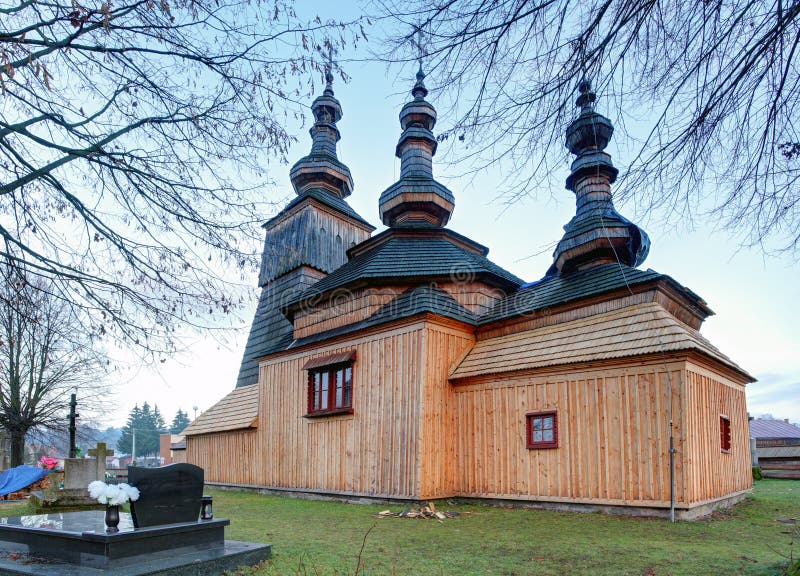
(330, 390)
(724, 434)
(542, 430)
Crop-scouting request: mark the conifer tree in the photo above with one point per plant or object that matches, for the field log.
(147, 435)
(147, 424)
(125, 442)
(179, 422)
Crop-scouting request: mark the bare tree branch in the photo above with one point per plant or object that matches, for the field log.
(714, 85)
(135, 141)
(45, 354)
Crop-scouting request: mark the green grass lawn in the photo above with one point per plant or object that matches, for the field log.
(311, 537)
(324, 538)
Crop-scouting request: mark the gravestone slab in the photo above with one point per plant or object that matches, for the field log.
(76, 544)
(168, 495)
(79, 472)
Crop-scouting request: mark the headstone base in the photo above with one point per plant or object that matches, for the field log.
(65, 498)
(76, 543)
(200, 563)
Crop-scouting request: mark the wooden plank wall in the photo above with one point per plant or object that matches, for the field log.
(476, 297)
(415, 435)
(314, 235)
(713, 473)
(230, 456)
(443, 347)
(345, 307)
(371, 452)
(613, 429)
(375, 451)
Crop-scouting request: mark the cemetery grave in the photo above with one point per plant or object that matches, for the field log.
(162, 535)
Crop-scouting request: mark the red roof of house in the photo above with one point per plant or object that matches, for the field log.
(773, 429)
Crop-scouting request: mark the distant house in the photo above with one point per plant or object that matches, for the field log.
(777, 447)
(172, 448)
(407, 365)
(772, 433)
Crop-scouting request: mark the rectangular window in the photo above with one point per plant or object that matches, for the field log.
(542, 430)
(725, 434)
(330, 389)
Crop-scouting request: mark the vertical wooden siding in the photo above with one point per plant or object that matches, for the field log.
(375, 450)
(613, 430)
(443, 346)
(230, 457)
(400, 431)
(415, 435)
(313, 235)
(713, 473)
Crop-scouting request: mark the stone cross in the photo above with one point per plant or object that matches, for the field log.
(100, 452)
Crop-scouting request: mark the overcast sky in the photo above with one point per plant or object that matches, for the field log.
(754, 295)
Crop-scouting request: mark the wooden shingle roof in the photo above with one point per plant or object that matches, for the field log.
(435, 254)
(631, 331)
(556, 290)
(271, 331)
(326, 198)
(236, 411)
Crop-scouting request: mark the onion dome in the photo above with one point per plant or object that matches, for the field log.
(416, 198)
(321, 169)
(597, 234)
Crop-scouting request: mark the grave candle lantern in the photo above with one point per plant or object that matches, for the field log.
(206, 512)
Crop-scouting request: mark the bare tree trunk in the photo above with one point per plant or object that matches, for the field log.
(17, 448)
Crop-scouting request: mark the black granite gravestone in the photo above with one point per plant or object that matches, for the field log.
(168, 540)
(167, 495)
(77, 544)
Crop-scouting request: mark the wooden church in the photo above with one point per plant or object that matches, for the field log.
(408, 366)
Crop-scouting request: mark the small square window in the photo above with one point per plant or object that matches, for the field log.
(542, 430)
(724, 434)
(330, 389)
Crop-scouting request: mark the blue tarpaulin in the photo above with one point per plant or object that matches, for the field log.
(19, 478)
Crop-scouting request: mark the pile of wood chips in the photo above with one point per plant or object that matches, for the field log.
(41, 484)
(426, 512)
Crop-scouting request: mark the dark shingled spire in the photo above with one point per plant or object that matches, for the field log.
(597, 234)
(306, 240)
(321, 169)
(416, 197)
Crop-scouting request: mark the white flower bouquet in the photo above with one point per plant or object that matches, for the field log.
(113, 494)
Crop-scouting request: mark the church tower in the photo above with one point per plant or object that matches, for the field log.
(416, 197)
(308, 239)
(598, 234)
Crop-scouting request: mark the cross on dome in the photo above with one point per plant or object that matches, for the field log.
(321, 169)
